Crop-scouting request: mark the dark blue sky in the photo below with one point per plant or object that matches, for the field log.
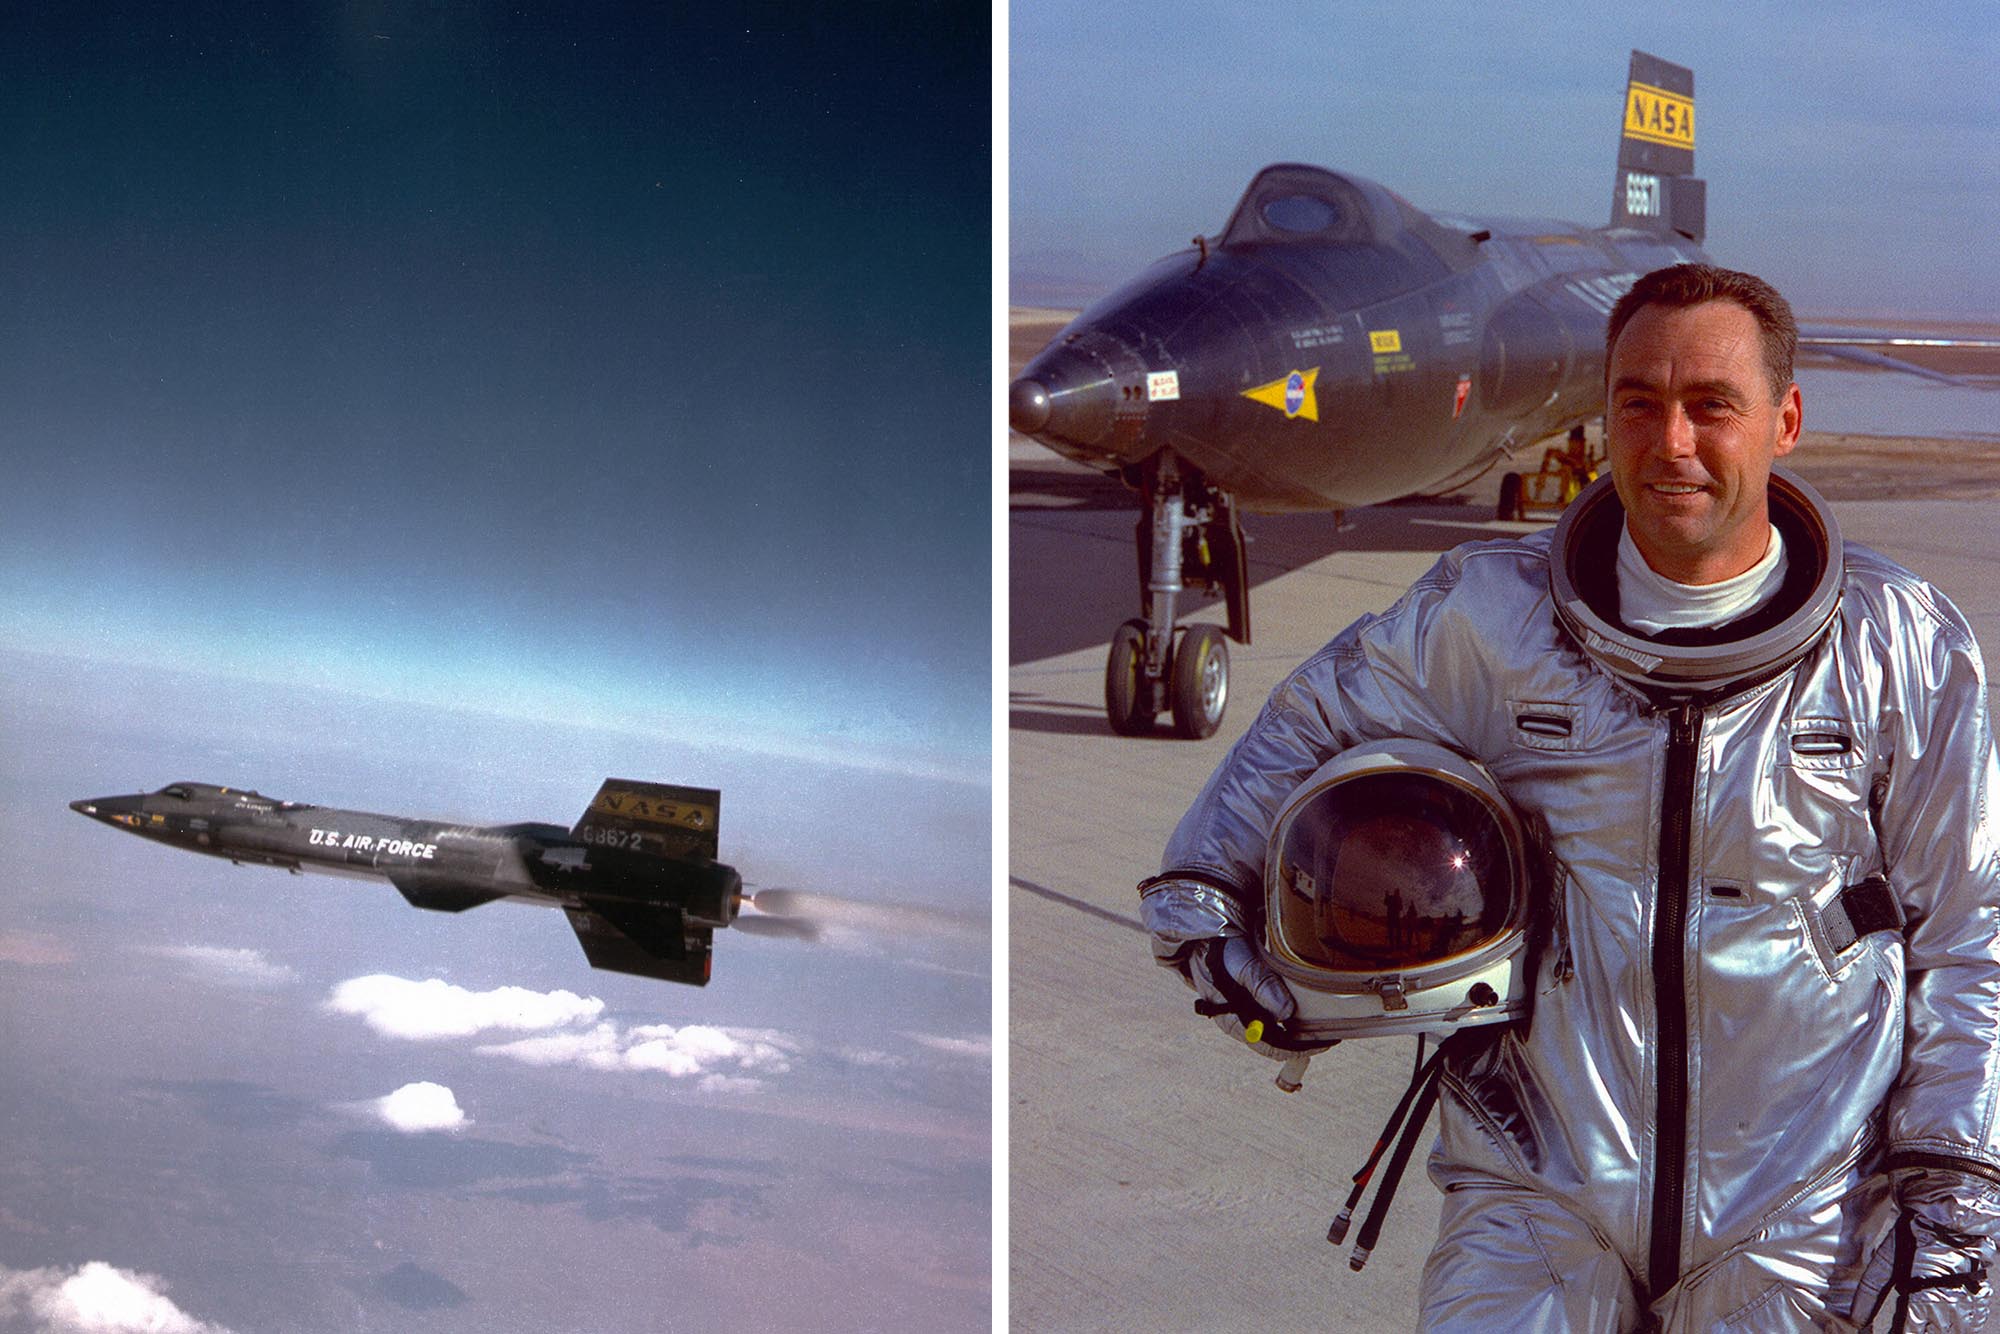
(619, 363)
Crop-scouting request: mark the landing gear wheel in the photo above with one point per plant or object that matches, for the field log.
(1127, 692)
(1200, 677)
(1510, 497)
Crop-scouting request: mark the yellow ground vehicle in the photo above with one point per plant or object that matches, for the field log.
(1543, 494)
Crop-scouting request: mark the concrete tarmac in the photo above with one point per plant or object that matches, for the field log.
(1159, 1180)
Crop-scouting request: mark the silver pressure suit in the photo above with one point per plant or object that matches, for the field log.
(1726, 1091)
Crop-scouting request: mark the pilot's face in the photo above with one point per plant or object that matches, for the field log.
(1693, 425)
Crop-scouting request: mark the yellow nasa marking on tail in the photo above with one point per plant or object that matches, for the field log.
(646, 809)
(653, 819)
(1292, 395)
(1656, 116)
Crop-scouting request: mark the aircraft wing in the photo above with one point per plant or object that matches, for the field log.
(439, 893)
(1896, 350)
(644, 939)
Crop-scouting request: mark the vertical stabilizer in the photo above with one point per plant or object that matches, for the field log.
(1656, 188)
(657, 819)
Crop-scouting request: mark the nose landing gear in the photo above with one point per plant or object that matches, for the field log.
(1188, 536)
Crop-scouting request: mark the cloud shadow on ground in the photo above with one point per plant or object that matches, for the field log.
(234, 1104)
(421, 1162)
(414, 1288)
(672, 1204)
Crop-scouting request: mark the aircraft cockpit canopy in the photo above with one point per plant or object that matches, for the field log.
(1308, 215)
(206, 792)
(1293, 202)
(1290, 201)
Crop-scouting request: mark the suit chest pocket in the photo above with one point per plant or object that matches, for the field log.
(1798, 819)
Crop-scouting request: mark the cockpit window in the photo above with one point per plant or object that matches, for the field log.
(1290, 202)
(177, 792)
(1301, 214)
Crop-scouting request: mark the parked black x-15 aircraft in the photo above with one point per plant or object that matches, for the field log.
(637, 876)
(1335, 346)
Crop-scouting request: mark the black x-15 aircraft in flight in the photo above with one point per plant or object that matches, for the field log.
(1336, 346)
(637, 876)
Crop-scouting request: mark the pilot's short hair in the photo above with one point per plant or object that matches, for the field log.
(1693, 284)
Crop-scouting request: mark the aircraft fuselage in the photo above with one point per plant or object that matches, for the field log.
(635, 876)
(1334, 346)
(1298, 372)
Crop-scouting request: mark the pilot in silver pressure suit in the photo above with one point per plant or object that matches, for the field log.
(1759, 1088)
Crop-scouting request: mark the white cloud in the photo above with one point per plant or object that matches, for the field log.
(692, 1049)
(416, 1108)
(399, 1008)
(598, 1048)
(96, 1299)
(728, 1084)
(563, 1030)
(980, 1048)
(680, 1054)
(697, 1048)
(869, 1058)
(231, 967)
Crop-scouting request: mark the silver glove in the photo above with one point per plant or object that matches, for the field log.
(1202, 933)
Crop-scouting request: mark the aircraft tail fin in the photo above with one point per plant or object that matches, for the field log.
(654, 819)
(1656, 188)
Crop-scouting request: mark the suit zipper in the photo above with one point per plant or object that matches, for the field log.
(1670, 995)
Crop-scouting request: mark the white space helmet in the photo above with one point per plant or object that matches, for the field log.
(1396, 893)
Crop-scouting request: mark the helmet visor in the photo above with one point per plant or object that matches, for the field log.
(1390, 871)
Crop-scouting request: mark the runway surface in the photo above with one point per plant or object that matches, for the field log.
(1158, 1178)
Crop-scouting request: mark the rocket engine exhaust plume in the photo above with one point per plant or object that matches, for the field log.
(811, 915)
(759, 923)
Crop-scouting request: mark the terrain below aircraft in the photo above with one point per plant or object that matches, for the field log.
(637, 876)
(1336, 346)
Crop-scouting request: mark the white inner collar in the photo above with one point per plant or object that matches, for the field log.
(1650, 602)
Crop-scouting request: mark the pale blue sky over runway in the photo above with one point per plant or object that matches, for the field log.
(1852, 150)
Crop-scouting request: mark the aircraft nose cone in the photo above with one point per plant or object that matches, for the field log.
(1075, 392)
(97, 808)
(107, 809)
(1028, 406)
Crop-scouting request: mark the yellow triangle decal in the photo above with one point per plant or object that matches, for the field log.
(1292, 395)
